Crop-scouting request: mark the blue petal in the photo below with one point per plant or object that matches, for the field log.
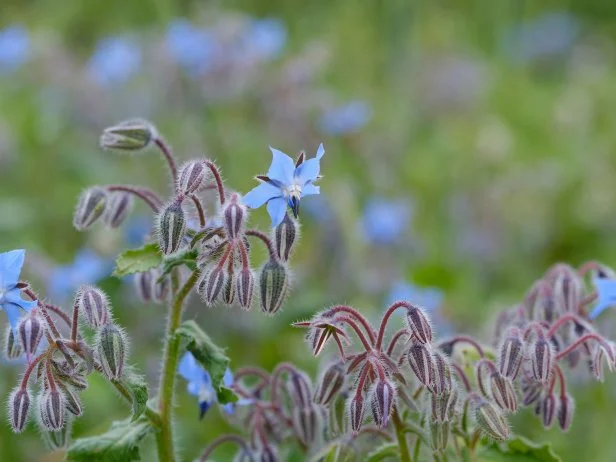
(320, 152)
(307, 172)
(227, 379)
(277, 208)
(190, 369)
(310, 189)
(600, 308)
(282, 168)
(13, 312)
(260, 195)
(10, 267)
(13, 297)
(229, 408)
(203, 408)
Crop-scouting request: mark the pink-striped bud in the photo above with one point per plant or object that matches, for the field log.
(596, 365)
(419, 324)
(439, 407)
(191, 177)
(356, 412)
(420, 360)
(299, 389)
(490, 420)
(568, 289)
(171, 227)
(285, 235)
(330, 384)
(19, 404)
(503, 392)
(307, 423)
(211, 284)
(511, 354)
(382, 399)
(273, 285)
(442, 374)
(111, 346)
(12, 346)
(73, 403)
(245, 285)
(90, 207)
(542, 358)
(143, 285)
(93, 303)
(566, 409)
(119, 204)
(234, 214)
(530, 389)
(548, 410)
(30, 333)
(228, 292)
(52, 409)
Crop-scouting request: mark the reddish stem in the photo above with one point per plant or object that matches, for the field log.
(581, 341)
(254, 371)
(216, 173)
(363, 376)
(60, 312)
(462, 376)
(199, 208)
(166, 150)
(357, 315)
(358, 331)
(390, 311)
(74, 324)
(280, 368)
(266, 240)
(394, 340)
(244, 255)
(149, 197)
(465, 339)
(41, 305)
(26, 377)
(221, 440)
(563, 320)
(588, 266)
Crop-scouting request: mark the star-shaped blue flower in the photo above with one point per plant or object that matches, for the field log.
(10, 295)
(606, 291)
(285, 184)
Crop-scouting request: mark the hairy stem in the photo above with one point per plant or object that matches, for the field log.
(146, 195)
(166, 150)
(405, 455)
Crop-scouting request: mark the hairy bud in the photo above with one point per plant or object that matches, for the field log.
(503, 392)
(73, 403)
(530, 389)
(19, 404)
(90, 207)
(234, 214)
(439, 435)
(440, 406)
(568, 290)
(57, 439)
(129, 135)
(212, 283)
(382, 400)
(419, 324)
(245, 284)
(12, 348)
(548, 410)
(93, 303)
(307, 423)
(143, 285)
(299, 389)
(273, 282)
(111, 347)
(285, 235)
(330, 384)
(30, 333)
(192, 176)
(511, 354)
(266, 453)
(442, 374)
(52, 409)
(356, 412)
(420, 360)
(118, 206)
(491, 421)
(228, 292)
(171, 227)
(566, 409)
(542, 357)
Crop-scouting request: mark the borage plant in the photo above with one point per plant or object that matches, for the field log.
(201, 242)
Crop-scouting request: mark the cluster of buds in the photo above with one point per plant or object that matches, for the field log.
(60, 367)
(184, 226)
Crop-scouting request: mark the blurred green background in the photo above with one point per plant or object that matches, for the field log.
(469, 146)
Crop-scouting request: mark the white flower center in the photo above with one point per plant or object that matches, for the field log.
(293, 190)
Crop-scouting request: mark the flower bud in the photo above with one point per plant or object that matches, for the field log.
(143, 285)
(568, 290)
(234, 214)
(439, 405)
(191, 176)
(93, 303)
(273, 282)
(299, 389)
(90, 207)
(419, 324)
(19, 404)
(307, 423)
(171, 227)
(111, 347)
(212, 283)
(285, 235)
(266, 453)
(491, 421)
(52, 409)
(30, 333)
(330, 384)
(356, 412)
(228, 292)
(503, 392)
(439, 435)
(57, 439)
(245, 284)
(119, 205)
(129, 135)
(511, 354)
(542, 356)
(548, 410)
(531, 390)
(420, 360)
(382, 400)
(12, 348)
(212, 246)
(73, 403)
(565, 411)
(442, 374)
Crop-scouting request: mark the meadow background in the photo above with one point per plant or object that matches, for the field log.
(469, 144)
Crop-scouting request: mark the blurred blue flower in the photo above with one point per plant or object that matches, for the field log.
(136, 230)
(348, 118)
(14, 48)
(429, 298)
(265, 38)
(385, 221)
(548, 35)
(606, 291)
(193, 48)
(285, 184)
(87, 268)
(200, 384)
(10, 295)
(115, 61)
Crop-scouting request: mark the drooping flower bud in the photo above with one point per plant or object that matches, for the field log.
(331, 382)
(307, 423)
(12, 348)
(30, 333)
(356, 412)
(566, 409)
(299, 389)
(228, 292)
(93, 303)
(490, 420)
(419, 324)
(245, 284)
(52, 409)
(73, 403)
(234, 214)
(442, 374)
(171, 227)
(503, 392)
(90, 207)
(143, 285)
(211, 284)
(273, 282)
(548, 410)
(129, 135)
(119, 204)
(439, 407)
(568, 290)
(285, 235)
(192, 176)
(420, 360)
(511, 354)
(19, 404)
(382, 400)
(531, 390)
(111, 347)
(542, 357)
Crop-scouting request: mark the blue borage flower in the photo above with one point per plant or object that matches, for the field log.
(285, 184)
(87, 268)
(200, 384)
(14, 48)
(115, 61)
(385, 221)
(10, 295)
(606, 291)
(348, 118)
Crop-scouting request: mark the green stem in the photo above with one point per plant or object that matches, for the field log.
(164, 439)
(405, 455)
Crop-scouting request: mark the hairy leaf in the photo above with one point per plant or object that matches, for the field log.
(138, 260)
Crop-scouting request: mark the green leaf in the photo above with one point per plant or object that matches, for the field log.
(138, 260)
(384, 451)
(138, 389)
(225, 395)
(119, 444)
(188, 258)
(519, 449)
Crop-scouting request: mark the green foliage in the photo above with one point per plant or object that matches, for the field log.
(188, 258)
(384, 451)
(519, 449)
(138, 260)
(138, 389)
(119, 444)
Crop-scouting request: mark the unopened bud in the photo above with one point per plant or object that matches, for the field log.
(439, 405)
(171, 227)
(568, 290)
(439, 433)
(356, 412)
(307, 423)
(143, 285)
(90, 207)
(129, 135)
(93, 303)
(273, 282)
(245, 284)
(442, 374)
(52, 409)
(192, 176)
(266, 453)
(12, 348)
(530, 389)
(382, 400)
(299, 389)
(212, 283)
(73, 403)
(19, 404)
(491, 421)
(542, 357)
(111, 347)
(212, 245)
(285, 235)
(330, 384)
(160, 287)
(57, 439)
(503, 392)
(566, 409)
(30, 333)
(511, 354)
(420, 360)
(228, 292)
(419, 324)
(234, 214)
(548, 410)
(119, 204)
